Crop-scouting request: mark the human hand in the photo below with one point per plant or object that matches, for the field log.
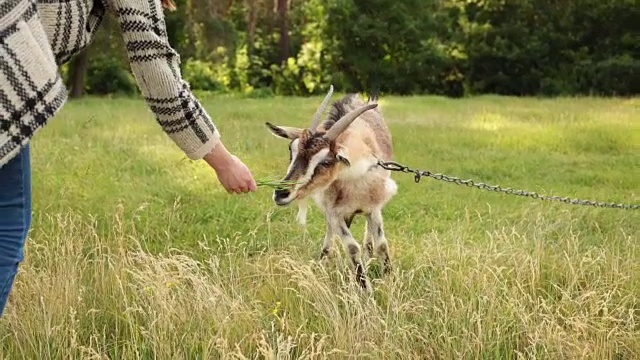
(232, 173)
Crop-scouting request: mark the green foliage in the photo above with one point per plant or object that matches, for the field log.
(308, 72)
(106, 75)
(302, 75)
(286, 77)
(528, 47)
(201, 75)
(260, 93)
(387, 45)
(445, 47)
(618, 75)
(242, 63)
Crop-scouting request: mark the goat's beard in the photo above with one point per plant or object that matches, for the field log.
(303, 207)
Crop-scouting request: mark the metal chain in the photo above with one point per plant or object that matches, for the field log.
(394, 166)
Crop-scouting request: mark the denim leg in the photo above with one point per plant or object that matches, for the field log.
(15, 218)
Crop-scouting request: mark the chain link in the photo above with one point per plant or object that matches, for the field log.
(394, 166)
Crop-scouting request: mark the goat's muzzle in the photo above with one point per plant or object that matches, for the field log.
(281, 197)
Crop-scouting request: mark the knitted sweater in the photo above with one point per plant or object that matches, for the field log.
(38, 35)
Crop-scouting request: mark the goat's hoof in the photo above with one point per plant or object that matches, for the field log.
(387, 269)
(361, 277)
(324, 254)
(369, 250)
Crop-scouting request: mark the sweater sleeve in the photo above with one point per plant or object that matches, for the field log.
(156, 68)
(31, 89)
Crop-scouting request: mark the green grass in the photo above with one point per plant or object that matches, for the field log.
(137, 252)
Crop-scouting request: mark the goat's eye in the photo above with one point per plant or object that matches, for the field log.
(326, 163)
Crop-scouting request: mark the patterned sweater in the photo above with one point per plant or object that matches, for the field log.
(38, 35)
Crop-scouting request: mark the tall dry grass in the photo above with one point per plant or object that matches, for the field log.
(80, 295)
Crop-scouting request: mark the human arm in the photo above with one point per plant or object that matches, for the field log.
(156, 68)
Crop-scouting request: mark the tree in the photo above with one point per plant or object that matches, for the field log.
(388, 45)
(77, 71)
(283, 8)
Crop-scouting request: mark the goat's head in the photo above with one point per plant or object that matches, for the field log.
(314, 156)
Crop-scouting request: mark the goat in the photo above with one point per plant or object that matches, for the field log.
(336, 165)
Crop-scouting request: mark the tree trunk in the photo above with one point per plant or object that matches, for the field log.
(77, 70)
(284, 33)
(251, 24)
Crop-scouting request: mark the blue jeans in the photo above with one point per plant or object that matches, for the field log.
(15, 218)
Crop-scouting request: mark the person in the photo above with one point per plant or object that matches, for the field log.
(37, 36)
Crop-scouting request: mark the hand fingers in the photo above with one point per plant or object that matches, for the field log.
(248, 185)
(245, 185)
(250, 182)
(232, 189)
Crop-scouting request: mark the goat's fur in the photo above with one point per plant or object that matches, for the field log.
(339, 172)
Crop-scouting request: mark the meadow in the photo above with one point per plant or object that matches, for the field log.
(138, 253)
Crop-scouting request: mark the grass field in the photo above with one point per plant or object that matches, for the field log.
(137, 253)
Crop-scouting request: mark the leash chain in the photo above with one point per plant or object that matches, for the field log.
(394, 166)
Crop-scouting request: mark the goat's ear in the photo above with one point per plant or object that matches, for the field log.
(343, 157)
(285, 132)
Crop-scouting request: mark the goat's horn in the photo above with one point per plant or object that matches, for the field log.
(323, 105)
(346, 120)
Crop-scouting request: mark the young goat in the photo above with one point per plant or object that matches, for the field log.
(336, 165)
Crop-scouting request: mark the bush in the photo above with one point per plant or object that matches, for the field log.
(106, 75)
(617, 76)
(201, 76)
(388, 45)
(260, 93)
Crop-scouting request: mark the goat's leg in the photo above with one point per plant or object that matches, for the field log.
(353, 249)
(326, 245)
(367, 243)
(368, 240)
(376, 230)
(328, 236)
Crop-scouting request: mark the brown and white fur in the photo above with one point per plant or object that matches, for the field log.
(335, 164)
